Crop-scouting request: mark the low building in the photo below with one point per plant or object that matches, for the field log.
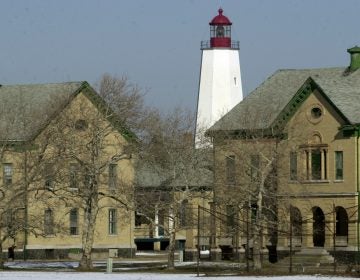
(168, 204)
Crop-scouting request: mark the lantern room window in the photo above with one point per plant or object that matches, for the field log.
(219, 31)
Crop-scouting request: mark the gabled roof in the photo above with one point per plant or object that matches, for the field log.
(157, 177)
(195, 173)
(261, 108)
(27, 109)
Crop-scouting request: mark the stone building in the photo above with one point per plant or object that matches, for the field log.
(292, 145)
(63, 164)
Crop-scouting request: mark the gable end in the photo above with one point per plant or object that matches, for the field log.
(301, 95)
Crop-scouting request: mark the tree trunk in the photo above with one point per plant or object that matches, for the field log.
(1, 257)
(257, 242)
(257, 249)
(88, 236)
(171, 254)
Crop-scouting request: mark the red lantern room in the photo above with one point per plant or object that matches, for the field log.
(220, 31)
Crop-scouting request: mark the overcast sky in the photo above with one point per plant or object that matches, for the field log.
(156, 43)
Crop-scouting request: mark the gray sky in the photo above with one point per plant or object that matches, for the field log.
(156, 43)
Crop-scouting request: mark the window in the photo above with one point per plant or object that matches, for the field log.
(254, 212)
(254, 167)
(162, 216)
(316, 112)
(112, 221)
(316, 164)
(185, 214)
(339, 165)
(48, 222)
(7, 173)
(74, 221)
(49, 176)
(88, 178)
(81, 125)
(293, 166)
(230, 216)
(73, 181)
(112, 176)
(230, 170)
(220, 30)
(9, 222)
(140, 219)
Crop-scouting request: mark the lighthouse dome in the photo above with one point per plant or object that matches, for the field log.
(220, 19)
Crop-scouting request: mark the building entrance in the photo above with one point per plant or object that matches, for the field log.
(318, 227)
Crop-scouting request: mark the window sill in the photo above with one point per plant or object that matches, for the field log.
(315, 181)
(113, 235)
(339, 181)
(293, 182)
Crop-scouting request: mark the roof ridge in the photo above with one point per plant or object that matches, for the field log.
(312, 69)
(42, 84)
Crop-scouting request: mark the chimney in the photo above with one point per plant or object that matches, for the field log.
(354, 58)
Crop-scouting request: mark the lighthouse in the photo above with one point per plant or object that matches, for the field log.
(220, 87)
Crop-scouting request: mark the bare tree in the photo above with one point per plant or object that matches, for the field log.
(76, 133)
(246, 181)
(180, 174)
(96, 148)
(23, 161)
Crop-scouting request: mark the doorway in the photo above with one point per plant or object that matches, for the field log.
(318, 227)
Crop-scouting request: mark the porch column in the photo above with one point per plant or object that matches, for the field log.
(308, 165)
(324, 169)
(307, 240)
(156, 233)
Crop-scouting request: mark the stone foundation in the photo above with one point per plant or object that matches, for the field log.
(239, 255)
(215, 254)
(73, 253)
(190, 255)
(341, 257)
(344, 257)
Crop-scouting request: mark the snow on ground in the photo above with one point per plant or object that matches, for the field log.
(22, 275)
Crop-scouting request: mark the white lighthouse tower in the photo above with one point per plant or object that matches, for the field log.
(220, 87)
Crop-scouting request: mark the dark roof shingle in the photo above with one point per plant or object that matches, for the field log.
(261, 107)
(25, 109)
